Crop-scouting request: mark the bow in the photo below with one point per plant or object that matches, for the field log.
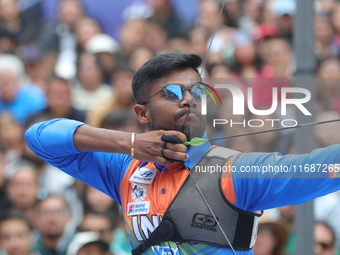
(192, 178)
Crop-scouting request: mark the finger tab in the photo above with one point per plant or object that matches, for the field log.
(170, 139)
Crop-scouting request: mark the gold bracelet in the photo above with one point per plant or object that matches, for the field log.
(133, 144)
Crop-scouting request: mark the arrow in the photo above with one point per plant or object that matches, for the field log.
(196, 141)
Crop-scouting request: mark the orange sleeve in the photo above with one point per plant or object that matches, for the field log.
(227, 182)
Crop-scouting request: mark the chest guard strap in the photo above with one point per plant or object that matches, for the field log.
(188, 218)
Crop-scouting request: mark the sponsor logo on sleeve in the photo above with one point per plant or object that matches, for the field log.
(137, 208)
(143, 175)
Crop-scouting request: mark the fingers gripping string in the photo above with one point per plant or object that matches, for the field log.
(164, 147)
(169, 139)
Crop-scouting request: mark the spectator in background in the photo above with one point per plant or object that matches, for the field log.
(86, 243)
(156, 37)
(139, 56)
(105, 224)
(267, 15)
(51, 217)
(220, 71)
(4, 201)
(15, 234)
(85, 29)
(35, 68)
(7, 42)
(132, 34)
(165, 15)
(262, 36)
(121, 97)
(26, 26)
(11, 135)
(335, 21)
(251, 16)
(178, 44)
(95, 200)
(208, 15)
(325, 7)
(324, 237)
(102, 223)
(328, 89)
(271, 237)
(19, 100)
(284, 11)
(105, 49)
(69, 14)
(326, 208)
(91, 91)
(323, 37)
(247, 63)
(286, 218)
(278, 59)
(59, 102)
(198, 38)
(22, 189)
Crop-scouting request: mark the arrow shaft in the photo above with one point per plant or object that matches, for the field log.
(275, 129)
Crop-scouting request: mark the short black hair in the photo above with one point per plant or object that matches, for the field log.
(110, 216)
(52, 195)
(11, 214)
(154, 69)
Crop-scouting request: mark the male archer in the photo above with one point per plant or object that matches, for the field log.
(168, 206)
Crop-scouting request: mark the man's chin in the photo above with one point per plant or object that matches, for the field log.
(191, 130)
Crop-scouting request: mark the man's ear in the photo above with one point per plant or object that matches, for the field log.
(142, 113)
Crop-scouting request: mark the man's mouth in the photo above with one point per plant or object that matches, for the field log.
(190, 114)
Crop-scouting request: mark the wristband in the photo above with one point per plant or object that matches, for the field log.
(133, 144)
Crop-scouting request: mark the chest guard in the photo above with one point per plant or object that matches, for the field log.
(189, 219)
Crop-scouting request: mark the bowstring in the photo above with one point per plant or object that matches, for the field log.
(211, 211)
(184, 125)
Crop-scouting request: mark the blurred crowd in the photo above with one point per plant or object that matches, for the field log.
(72, 68)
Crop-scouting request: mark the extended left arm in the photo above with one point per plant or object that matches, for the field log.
(268, 180)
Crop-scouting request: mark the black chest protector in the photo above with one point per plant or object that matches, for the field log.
(189, 219)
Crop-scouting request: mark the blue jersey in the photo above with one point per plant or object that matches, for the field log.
(259, 180)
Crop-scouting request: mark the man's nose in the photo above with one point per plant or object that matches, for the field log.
(187, 99)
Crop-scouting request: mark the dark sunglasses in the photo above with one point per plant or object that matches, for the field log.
(325, 246)
(176, 92)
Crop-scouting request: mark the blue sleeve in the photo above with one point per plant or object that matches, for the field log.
(296, 179)
(53, 142)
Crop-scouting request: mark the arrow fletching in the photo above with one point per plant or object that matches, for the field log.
(196, 141)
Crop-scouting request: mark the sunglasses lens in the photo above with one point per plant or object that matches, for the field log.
(198, 90)
(174, 92)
